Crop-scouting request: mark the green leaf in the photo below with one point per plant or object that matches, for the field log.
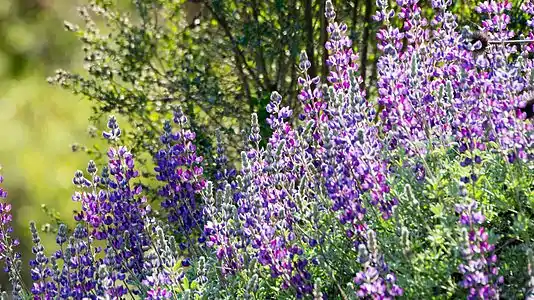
(437, 209)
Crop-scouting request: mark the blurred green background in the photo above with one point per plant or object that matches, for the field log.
(38, 122)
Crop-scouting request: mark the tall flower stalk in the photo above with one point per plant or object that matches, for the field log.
(480, 272)
(8, 255)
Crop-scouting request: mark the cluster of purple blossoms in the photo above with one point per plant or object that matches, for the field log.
(480, 272)
(6, 242)
(375, 280)
(179, 167)
(284, 166)
(437, 87)
(113, 207)
(254, 220)
(277, 185)
(110, 251)
(112, 210)
(159, 293)
(73, 271)
(80, 269)
(451, 87)
(40, 273)
(76, 278)
(353, 162)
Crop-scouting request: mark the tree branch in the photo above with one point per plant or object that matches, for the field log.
(365, 38)
(323, 38)
(282, 66)
(238, 53)
(260, 57)
(310, 48)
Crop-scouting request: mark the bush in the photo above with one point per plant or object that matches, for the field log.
(424, 191)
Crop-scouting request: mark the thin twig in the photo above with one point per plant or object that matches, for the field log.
(495, 42)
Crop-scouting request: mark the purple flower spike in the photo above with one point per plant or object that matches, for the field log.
(179, 168)
(481, 277)
(8, 255)
(113, 207)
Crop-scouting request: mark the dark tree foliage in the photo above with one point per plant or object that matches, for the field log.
(219, 59)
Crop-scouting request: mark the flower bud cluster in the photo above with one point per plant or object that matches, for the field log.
(480, 272)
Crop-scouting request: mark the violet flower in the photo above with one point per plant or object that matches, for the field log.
(113, 207)
(179, 168)
(375, 281)
(255, 220)
(481, 277)
(465, 101)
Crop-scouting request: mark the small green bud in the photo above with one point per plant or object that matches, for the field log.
(415, 65)
(405, 241)
(254, 119)
(317, 294)
(244, 160)
(363, 254)
(408, 192)
(280, 148)
(371, 242)
(448, 90)
(308, 128)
